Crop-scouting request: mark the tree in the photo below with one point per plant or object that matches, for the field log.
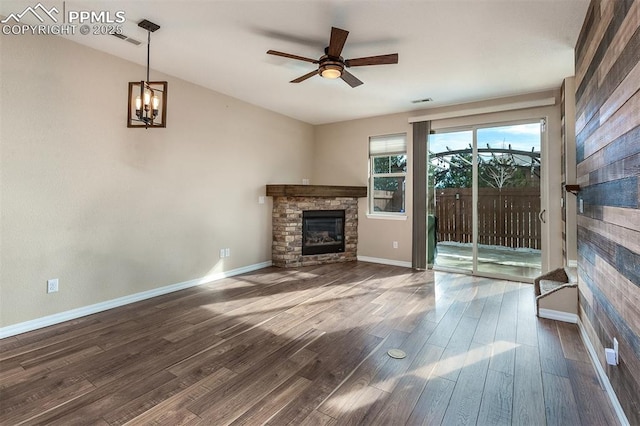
(457, 175)
(501, 171)
(389, 164)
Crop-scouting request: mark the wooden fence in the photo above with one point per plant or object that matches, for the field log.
(507, 217)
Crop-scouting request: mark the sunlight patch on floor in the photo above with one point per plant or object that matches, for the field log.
(362, 397)
(456, 362)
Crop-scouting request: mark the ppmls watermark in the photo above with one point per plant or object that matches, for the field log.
(67, 22)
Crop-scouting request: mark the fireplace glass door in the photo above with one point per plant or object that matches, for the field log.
(322, 232)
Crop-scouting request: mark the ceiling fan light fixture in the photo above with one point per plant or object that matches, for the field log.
(331, 71)
(332, 65)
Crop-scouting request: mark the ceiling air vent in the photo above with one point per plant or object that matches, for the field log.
(129, 39)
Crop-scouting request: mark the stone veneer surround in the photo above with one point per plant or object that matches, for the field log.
(287, 230)
(289, 201)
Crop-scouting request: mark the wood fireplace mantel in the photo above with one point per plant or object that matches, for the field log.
(316, 191)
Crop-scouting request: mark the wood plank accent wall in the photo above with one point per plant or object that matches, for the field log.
(608, 169)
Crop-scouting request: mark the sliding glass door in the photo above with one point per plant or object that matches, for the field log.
(450, 199)
(508, 205)
(484, 200)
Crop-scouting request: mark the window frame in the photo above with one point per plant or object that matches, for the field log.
(372, 213)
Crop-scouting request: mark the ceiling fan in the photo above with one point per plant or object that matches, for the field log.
(332, 65)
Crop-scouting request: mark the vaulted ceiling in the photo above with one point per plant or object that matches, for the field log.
(451, 51)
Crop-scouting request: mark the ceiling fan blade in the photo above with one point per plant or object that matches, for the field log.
(350, 79)
(304, 77)
(290, 56)
(337, 41)
(372, 60)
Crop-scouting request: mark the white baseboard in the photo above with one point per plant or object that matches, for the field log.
(604, 379)
(35, 324)
(558, 315)
(384, 261)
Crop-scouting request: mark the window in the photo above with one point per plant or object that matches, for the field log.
(387, 173)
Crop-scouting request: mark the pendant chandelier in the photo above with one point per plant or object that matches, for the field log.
(147, 99)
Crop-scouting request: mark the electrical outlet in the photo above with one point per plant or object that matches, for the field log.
(395, 244)
(52, 285)
(305, 181)
(261, 199)
(611, 354)
(221, 253)
(227, 252)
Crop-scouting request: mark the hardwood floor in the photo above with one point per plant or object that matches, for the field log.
(309, 347)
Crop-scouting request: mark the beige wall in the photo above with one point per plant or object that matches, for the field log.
(113, 211)
(571, 227)
(341, 158)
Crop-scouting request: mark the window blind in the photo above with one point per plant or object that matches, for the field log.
(389, 144)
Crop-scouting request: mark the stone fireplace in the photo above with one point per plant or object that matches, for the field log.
(314, 224)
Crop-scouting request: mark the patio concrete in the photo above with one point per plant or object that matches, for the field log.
(524, 263)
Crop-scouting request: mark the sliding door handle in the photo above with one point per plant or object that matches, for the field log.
(541, 215)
